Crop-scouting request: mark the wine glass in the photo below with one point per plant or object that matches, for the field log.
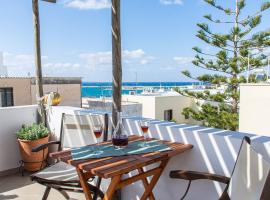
(144, 127)
(98, 130)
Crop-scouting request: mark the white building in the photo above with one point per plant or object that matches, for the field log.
(3, 68)
(161, 107)
(254, 110)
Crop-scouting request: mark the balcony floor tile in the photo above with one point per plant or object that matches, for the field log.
(18, 187)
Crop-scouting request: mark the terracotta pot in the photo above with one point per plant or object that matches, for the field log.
(33, 161)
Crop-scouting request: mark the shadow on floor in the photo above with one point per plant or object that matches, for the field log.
(13, 182)
(5, 197)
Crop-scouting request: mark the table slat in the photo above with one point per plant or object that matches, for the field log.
(109, 167)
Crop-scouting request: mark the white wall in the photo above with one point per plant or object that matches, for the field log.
(214, 151)
(128, 108)
(254, 113)
(148, 104)
(11, 120)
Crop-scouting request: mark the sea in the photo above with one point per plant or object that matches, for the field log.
(98, 89)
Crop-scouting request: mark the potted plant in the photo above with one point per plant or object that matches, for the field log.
(30, 136)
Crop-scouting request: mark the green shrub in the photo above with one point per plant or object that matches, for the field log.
(32, 132)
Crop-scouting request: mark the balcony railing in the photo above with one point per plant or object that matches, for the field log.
(214, 151)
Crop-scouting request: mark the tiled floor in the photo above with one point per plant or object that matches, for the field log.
(22, 188)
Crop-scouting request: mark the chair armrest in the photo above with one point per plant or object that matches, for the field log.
(193, 175)
(44, 146)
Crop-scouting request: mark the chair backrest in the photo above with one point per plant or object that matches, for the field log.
(77, 130)
(250, 178)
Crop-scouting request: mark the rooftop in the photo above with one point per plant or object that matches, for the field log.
(214, 151)
(48, 80)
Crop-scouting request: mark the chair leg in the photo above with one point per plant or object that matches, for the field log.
(46, 193)
(98, 186)
(186, 192)
(64, 193)
(21, 168)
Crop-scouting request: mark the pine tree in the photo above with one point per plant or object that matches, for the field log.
(241, 46)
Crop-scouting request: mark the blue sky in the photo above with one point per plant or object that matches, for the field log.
(157, 37)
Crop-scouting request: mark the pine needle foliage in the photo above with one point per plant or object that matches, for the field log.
(229, 62)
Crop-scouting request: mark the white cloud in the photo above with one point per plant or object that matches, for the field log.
(133, 54)
(136, 57)
(97, 60)
(79, 65)
(181, 60)
(19, 64)
(101, 60)
(24, 65)
(167, 68)
(60, 65)
(171, 2)
(88, 4)
(60, 68)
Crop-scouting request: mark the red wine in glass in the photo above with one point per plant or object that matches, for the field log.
(144, 128)
(97, 130)
(98, 133)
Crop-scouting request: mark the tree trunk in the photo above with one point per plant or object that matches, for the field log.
(235, 86)
(117, 63)
(39, 85)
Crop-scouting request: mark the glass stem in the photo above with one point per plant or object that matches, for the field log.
(144, 136)
(98, 147)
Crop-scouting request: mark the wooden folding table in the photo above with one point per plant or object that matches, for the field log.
(115, 167)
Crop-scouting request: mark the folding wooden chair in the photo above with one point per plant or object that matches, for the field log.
(250, 179)
(76, 131)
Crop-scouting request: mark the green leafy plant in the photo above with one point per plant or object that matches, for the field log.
(236, 48)
(32, 132)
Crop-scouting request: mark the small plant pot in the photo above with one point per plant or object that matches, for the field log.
(33, 161)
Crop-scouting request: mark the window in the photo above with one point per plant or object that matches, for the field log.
(6, 97)
(168, 115)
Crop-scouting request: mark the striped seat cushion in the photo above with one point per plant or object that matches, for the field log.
(59, 172)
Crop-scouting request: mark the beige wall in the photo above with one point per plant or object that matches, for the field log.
(176, 103)
(154, 106)
(70, 93)
(254, 113)
(25, 94)
(21, 89)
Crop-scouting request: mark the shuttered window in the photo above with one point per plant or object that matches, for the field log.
(6, 97)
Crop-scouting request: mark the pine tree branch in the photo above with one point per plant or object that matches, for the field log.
(213, 37)
(217, 21)
(250, 69)
(203, 96)
(264, 7)
(187, 74)
(227, 11)
(213, 69)
(213, 44)
(207, 54)
(199, 51)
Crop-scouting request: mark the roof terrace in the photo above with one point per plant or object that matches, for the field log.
(214, 151)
